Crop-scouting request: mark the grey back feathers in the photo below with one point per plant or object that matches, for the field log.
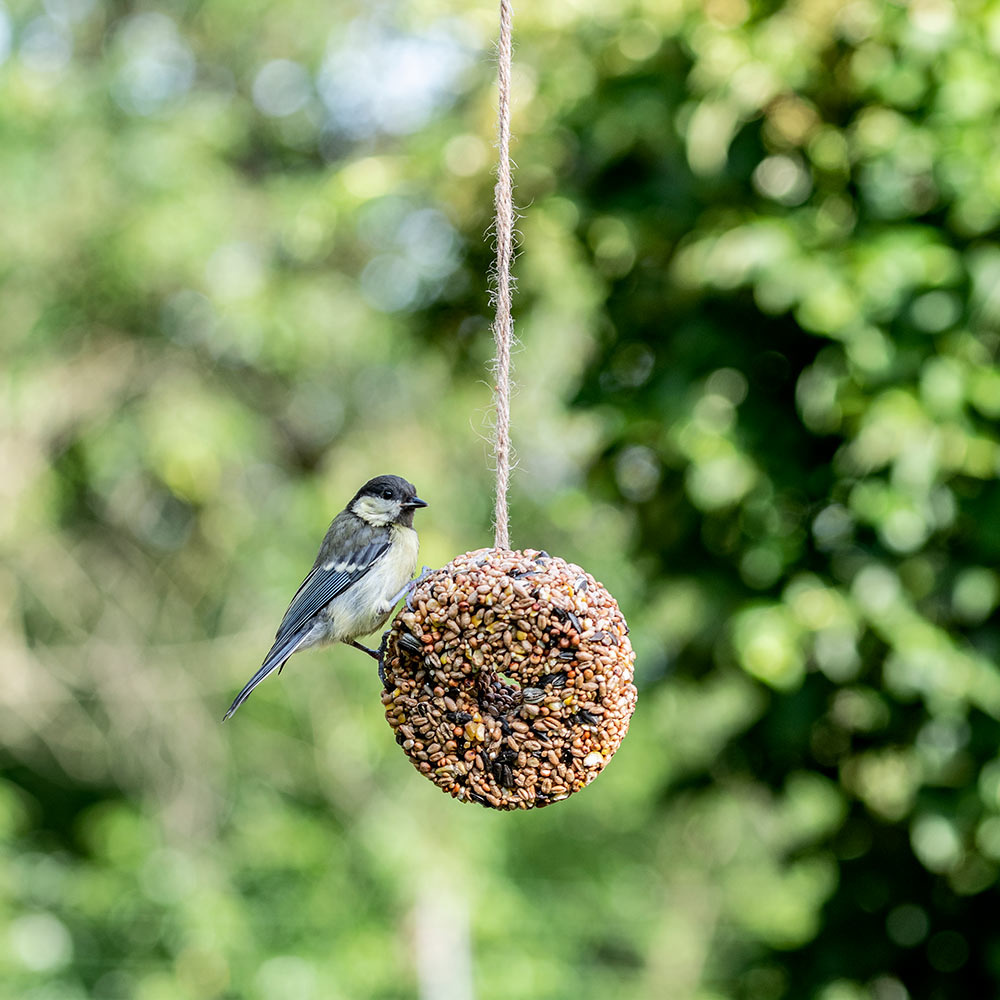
(346, 537)
(329, 579)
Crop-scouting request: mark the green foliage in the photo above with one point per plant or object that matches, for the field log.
(243, 270)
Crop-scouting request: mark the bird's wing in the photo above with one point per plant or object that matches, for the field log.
(328, 580)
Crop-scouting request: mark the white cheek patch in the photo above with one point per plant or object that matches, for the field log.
(375, 510)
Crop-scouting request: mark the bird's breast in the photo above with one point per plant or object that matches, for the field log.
(366, 606)
(396, 566)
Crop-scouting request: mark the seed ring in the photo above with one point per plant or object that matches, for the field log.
(508, 678)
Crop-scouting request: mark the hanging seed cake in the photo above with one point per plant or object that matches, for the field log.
(508, 678)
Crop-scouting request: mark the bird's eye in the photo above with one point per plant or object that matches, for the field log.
(386, 494)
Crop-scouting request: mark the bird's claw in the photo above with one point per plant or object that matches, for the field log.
(410, 586)
(381, 657)
(425, 571)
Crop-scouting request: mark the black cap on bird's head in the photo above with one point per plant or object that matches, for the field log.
(387, 500)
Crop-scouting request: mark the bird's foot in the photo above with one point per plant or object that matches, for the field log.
(378, 655)
(381, 658)
(425, 571)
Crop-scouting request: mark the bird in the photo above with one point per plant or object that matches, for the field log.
(363, 568)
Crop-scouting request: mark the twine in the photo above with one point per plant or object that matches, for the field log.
(503, 325)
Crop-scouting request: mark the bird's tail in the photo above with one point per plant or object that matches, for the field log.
(274, 660)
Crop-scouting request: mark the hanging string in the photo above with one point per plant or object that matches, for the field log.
(503, 325)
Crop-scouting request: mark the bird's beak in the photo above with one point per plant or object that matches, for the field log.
(415, 502)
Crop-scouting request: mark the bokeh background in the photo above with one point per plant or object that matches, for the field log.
(243, 249)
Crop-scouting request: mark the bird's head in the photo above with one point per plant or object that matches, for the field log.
(386, 500)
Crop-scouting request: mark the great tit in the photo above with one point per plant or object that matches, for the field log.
(363, 568)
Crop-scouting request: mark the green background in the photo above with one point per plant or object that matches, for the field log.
(243, 250)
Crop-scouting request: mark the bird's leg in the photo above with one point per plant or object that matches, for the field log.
(411, 585)
(373, 653)
(376, 654)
